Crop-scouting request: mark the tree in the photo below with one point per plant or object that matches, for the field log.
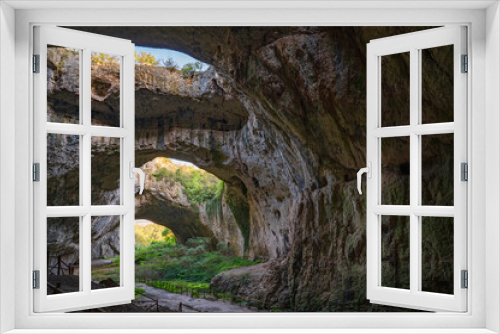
(169, 63)
(189, 69)
(146, 58)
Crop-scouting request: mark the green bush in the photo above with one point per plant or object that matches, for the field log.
(198, 185)
(189, 263)
(189, 69)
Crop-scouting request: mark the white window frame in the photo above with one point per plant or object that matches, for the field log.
(86, 43)
(413, 43)
(484, 265)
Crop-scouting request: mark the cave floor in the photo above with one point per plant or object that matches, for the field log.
(172, 301)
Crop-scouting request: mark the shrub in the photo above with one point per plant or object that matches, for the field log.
(198, 185)
(189, 263)
(146, 58)
(189, 69)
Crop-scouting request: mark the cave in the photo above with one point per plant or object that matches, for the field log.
(279, 117)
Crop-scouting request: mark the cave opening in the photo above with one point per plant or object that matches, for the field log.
(278, 120)
(148, 232)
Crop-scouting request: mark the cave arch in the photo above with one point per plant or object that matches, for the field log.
(185, 223)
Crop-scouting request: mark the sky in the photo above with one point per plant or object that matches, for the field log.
(180, 58)
(183, 163)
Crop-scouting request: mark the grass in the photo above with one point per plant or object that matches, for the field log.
(196, 290)
(188, 263)
(103, 273)
(192, 263)
(139, 291)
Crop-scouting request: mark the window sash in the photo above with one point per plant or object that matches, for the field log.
(86, 297)
(414, 298)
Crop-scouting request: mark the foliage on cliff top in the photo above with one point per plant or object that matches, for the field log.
(188, 70)
(199, 185)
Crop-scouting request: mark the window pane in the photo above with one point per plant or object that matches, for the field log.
(63, 255)
(63, 169)
(395, 181)
(437, 84)
(437, 170)
(396, 251)
(105, 171)
(63, 85)
(395, 94)
(105, 252)
(105, 89)
(437, 254)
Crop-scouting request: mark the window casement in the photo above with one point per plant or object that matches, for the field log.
(415, 213)
(78, 134)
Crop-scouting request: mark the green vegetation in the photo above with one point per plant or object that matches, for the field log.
(103, 273)
(188, 263)
(147, 233)
(139, 291)
(199, 186)
(214, 204)
(189, 69)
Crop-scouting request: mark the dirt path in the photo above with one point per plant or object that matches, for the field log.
(189, 304)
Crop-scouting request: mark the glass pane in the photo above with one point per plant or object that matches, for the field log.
(105, 89)
(63, 85)
(105, 171)
(395, 181)
(395, 93)
(437, 254)
(63, 169)
(63, 255)
(105, 252)
(437, 169)
(437, 84)
(396, 252)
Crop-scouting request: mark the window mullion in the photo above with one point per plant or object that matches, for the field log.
(86, 171)
(414, 170)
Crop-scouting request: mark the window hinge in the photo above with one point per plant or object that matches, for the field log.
(464, 171)
(36, 279)
(464, 279)
(465, 63)
(36, 63)
(36, 172)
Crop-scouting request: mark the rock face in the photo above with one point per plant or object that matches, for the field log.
(283, 123)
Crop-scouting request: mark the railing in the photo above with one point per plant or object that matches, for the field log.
(61, 267)
(204, 293)
(154, 303)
